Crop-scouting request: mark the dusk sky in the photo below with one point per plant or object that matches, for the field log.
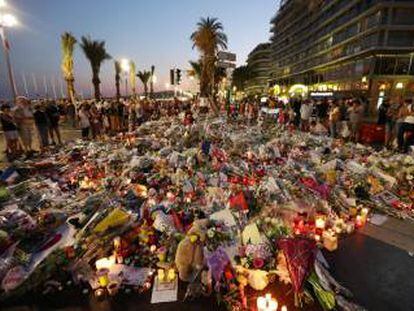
(148, 31)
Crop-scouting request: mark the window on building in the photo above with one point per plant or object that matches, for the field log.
(403, 16)
(402, 66)
(374, 20)
(385, 65)
(401, 38)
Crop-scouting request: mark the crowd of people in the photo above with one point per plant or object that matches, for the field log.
(21, 123)
(27, 120)
(98, 119)
(343, 118)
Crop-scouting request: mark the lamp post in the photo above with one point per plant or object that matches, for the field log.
(7, 20)
(126, 67)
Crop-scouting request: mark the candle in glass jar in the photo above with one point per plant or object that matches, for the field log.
(267, 303)
(330, 241)
(161, 275)
(171, 275)
(261, 304)
(103, 277)
(320, 222)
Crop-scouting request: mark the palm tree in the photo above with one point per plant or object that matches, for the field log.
(144, 76)
(118, 79)
(132, 77)
(208, 38)
(96, 53)
(195, 69)
(68, 42)
(240, 76)
(152, 81)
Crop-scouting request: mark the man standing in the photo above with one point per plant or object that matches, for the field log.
(23, 115)
(53, 114)
(306, 111)
(42, 125)
(407, 126)
(356, 115)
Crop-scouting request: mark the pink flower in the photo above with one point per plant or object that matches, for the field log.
(258, 263)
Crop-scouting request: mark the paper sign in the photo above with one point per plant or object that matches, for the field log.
(164, 292)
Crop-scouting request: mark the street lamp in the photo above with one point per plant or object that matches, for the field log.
(126, 67)
(7, 20)
(154, 79)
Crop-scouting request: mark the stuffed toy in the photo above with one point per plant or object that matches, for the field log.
(189, 257)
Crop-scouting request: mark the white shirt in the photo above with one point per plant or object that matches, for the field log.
(410, 118)
(306, 111)
(84, 120)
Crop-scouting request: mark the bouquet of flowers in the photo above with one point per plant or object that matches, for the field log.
(218, 234)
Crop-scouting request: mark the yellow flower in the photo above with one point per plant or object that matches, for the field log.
(193, 238)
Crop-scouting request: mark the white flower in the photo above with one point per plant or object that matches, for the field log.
(211, 232)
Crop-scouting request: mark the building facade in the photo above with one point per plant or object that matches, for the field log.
(346, 47)
(258, 63)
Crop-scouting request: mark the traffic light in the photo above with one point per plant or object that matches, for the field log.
(172, 80)
(178, 71)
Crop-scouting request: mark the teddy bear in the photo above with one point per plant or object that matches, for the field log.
(189, 258)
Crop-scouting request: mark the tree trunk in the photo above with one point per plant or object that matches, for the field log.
(70, 83)
(146, 89)
(151, 89)
(96, 82)
(118, 87)
(204, 79)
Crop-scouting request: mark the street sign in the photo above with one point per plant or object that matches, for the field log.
(226, 56)
(226, 65)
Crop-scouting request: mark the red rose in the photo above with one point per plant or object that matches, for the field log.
(258, 263)
(228, 275)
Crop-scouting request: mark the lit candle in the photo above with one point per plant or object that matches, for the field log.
(284, 308)
(360, 221)
(161, 275)
(267, 303)
(171, 275)
(103, 277)
(162, 254)
(320, 222)
(330, 241)
(261, 304)
(364, 211)
(272, 305)
(117, 243)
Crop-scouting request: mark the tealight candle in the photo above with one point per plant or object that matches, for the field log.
(284, 308)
